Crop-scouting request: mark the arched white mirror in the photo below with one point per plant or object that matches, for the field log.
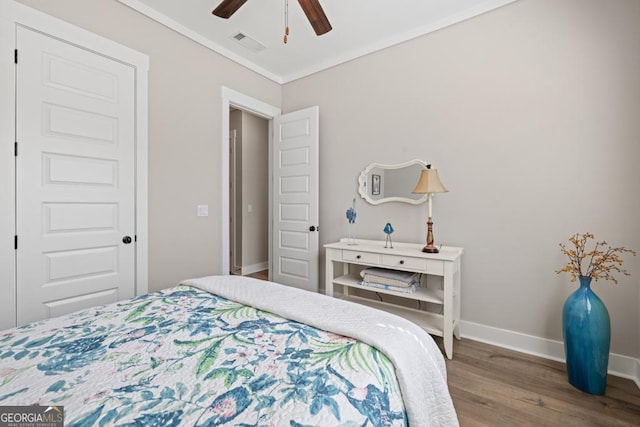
(380, 183)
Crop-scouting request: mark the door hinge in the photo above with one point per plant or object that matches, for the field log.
(15, 242)
(15, 56)
(15, 149)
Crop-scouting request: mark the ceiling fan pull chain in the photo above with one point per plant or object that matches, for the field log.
(286, 21)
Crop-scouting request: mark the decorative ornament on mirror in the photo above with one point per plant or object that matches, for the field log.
(351, 217)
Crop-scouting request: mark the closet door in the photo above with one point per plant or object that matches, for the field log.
(75, 198)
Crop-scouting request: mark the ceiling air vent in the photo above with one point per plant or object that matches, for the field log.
(250, 43)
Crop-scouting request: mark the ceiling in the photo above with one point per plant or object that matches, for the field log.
(359, 27)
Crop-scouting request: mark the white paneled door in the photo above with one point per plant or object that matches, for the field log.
(295, 199)
(75, 183)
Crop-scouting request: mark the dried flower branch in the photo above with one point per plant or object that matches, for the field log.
(604, 260)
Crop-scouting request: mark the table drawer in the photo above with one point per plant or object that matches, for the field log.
(358, 257)
(400, 262)
(427, 266)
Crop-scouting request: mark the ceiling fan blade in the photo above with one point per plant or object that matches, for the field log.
(316, 16)
(228, 8)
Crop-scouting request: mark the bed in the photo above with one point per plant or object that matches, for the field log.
(228, 350)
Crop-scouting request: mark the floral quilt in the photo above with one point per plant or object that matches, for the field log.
(184, 356)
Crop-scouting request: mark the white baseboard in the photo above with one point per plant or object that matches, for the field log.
(250, 269)
(619, 365)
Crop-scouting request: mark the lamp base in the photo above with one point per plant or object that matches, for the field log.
(430, 248)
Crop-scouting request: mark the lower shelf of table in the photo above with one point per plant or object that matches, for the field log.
(421, 294)
(430, 322)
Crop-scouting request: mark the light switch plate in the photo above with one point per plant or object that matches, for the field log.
(203, 210)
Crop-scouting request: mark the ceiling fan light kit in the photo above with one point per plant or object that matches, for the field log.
(311, 8)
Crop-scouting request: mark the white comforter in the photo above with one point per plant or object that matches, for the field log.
(420, 366)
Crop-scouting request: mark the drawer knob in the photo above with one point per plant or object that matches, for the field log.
(401, 261)
(358, 256)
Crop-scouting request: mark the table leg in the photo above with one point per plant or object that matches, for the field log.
(447, 327)
(328, 279)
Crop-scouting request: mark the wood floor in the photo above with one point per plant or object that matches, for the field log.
(493, 386)
(496, 387)
(262, 275)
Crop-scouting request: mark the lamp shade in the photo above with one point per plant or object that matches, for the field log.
(429, 182)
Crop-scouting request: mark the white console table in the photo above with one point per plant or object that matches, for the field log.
(405, 257)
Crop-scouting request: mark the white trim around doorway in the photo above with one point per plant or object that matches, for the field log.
(232, 98)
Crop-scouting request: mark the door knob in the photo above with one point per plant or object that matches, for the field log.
(312, 228)
(126, 240)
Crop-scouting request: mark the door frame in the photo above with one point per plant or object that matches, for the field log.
(13, 14)
(232, 98)
(233, 193)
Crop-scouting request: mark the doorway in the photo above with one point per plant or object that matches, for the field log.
(236, 100)
(248, 193)
(293, 192)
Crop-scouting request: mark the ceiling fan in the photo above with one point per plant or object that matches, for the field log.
(311, 8)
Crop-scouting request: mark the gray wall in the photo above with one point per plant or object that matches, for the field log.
(530, 114)
(185, 130)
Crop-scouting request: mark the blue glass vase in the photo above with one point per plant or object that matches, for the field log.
(587, 335)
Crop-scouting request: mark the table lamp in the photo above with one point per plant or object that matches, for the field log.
(429, 183)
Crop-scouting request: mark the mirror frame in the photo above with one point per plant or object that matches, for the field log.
(362, 183)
